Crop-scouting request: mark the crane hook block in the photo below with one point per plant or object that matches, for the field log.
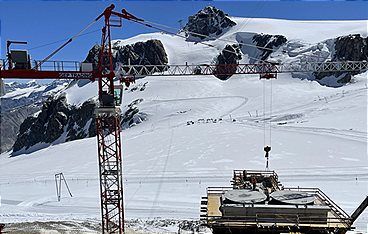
(267, 149)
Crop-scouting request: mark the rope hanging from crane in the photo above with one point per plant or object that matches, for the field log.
(267, 119)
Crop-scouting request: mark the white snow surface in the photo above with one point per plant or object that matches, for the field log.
(298, 33)
(31, 88)
(311, 31)
(318, 137)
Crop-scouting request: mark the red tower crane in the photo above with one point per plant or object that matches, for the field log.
(108, 116)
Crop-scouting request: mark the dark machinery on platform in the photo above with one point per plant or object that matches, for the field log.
(258, 203)
(20, 66)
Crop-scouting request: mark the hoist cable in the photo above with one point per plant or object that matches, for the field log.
(66, 43)
(178, 35)
(221, 39)
(210, 37)
(51, 43)
(264, 112)
(271, 112)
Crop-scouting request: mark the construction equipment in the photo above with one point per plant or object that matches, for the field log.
(359, 210)
(268, 207)
(108, 115)
(19, 58)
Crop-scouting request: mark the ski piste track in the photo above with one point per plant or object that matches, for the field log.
(153, 185)
(159, 175)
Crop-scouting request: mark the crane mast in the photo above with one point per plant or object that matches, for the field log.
(108, 138)
(108, 130)
(108, 115)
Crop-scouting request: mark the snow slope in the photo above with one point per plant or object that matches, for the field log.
(32, 89)
(168, 164)
(311, 31)
(304, 32)
(319, 137)
(307, 41)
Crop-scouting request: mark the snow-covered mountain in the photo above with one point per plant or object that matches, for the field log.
(319, 138)
(184, 134)
(238, 42)
(21, 101)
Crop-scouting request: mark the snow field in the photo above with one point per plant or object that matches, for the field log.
(319, 136)
(168, 164)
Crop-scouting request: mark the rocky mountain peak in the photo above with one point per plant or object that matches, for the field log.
(58, 121)
(208, 21)
(267, 41)
(150, 52)
(11, 86)
(231, 54)
(352, 48)
(32, 83)
(56, 118)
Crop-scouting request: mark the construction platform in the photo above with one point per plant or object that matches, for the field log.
(258, 203)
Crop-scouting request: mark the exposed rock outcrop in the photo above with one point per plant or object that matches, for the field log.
(81, 122)
(351, 48)
(268, 41)
(208, 21)
(230, 55)
(10, 122)
(56, 121)
(132, 116)
(17, 106)
(347, 48)
(151, 52)
(59, 122)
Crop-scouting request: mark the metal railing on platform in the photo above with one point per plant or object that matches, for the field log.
(323, 197)
(278, 220)
(340, 216)
(56, 65)
(48, 65)
(218, 190)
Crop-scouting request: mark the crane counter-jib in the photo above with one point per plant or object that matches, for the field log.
(34, 74)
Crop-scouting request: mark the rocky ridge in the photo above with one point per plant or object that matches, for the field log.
(209, 21)
(59, 122)
(229, 55)
(269, 42)
(55, 118)
(23, 100)
(347, 48)
(151, 52)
